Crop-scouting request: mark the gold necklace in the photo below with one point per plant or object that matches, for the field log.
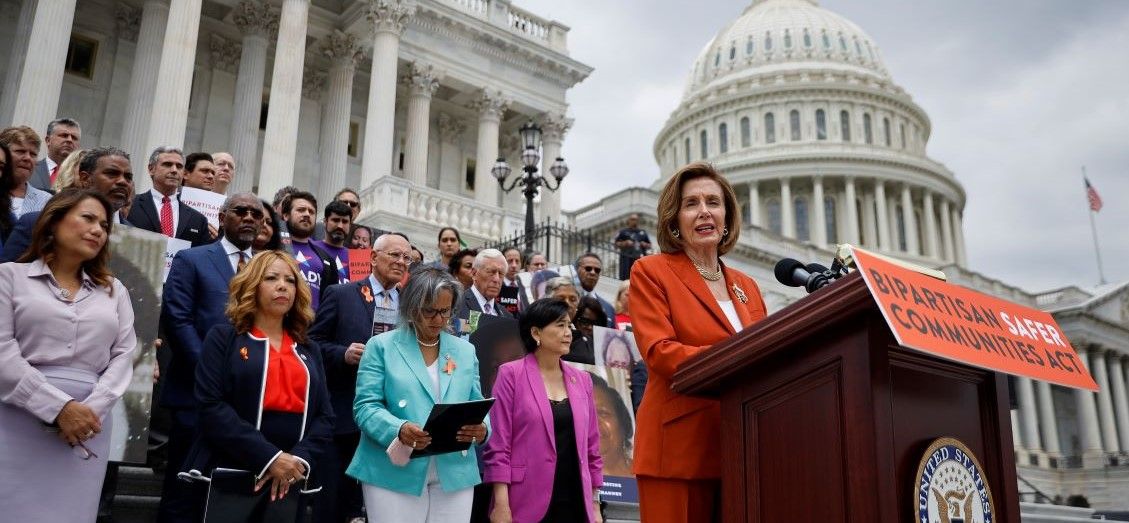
(707, 274)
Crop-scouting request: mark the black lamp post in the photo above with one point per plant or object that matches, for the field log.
(531, 181)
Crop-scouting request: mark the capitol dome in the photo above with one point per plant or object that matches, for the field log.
(794, 105)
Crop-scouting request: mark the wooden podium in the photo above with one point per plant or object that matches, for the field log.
(825, 418)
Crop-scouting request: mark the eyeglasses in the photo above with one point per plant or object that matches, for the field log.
(350, 203)
(402, 256)
(596, 270)
(431, 314)
(242, 211)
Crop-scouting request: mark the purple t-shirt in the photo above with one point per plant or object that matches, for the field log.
(310, 265)
(340, 255)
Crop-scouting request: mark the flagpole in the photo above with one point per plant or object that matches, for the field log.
(1094, 232)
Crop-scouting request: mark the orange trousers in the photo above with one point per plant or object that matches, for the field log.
(663, 500)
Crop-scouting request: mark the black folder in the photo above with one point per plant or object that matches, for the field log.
(232, 499)
(444, 422)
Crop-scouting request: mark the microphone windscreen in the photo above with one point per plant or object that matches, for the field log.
(785, 269)
(816, 268)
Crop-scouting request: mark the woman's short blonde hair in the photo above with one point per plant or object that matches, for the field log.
(68, 171)
(243, 300)
(620, 301)
(670, 201)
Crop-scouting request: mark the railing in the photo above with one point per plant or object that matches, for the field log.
(528, 24)
(479, 8)
(562, 245)
(1038, 496)
(437, 208)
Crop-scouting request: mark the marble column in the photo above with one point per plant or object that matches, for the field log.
(1048, 425)
(1028, 417)
(946, 232)
(553, 130)
(1120, 399)
(491, 105)
(451, 173)
(41, 77)
(849, 197)
(217, 120)
(257, 21)
(819, 228)
(16, 58)
(389, 17)
(787, 218)
(755, 203)
(1086, 404)
(142, 88)
(958, 238)
(306, 168)
(883, 216)
(421, 82)
(1105, 401)
(910, 221)
(344, 52)
(280, 143)
(930, 225)
(1016, 437)
(128, 24)
(168, 118)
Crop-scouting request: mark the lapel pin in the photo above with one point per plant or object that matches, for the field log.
(367, 293)
(243, 353)
(450, 366)
(740, 294)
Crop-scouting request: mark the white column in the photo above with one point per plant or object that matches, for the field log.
(169, 116)
(946, 232)
(490, 106)
(1016, 437)
(1105, 402)
(421, 82)
(128, 20)
(819, 229)
(852, 236)
(1092, 451)
(451, 174)
(553, 130)
(1120, 399)
(217, 120)
(1027, 416)
(41, 77)
(16, 59)
(755, 203)
(280, 143)
(910, 221)
(389, 18)
(883, 216)
(787, 218)
(142, 88)
(310, 112)
(256, 21)
(930, 225)
(958, 238)
(345, 52)
(1047, 422)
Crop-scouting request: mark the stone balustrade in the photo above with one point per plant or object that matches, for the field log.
(528, 24)
(479, 8)
(399, 198)
(635, 199)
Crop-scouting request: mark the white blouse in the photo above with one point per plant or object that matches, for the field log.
(731, 314)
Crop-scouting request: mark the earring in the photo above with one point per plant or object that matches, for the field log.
(537, 341)
(725, 231)
(675, 233)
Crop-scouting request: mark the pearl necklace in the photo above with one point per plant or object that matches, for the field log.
(424, 344)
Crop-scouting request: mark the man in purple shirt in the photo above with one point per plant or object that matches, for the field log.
(300, 211)
(338, 221)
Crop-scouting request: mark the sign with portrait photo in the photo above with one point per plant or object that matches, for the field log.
(616, 354)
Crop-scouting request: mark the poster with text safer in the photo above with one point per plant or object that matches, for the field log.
(960, 324)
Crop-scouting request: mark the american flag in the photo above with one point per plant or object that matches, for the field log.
(1092, 196)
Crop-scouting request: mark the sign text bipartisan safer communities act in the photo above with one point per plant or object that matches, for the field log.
(960, 324)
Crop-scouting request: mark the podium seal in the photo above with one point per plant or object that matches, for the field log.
(951, 487)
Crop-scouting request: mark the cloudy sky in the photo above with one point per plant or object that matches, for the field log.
(1021, 93)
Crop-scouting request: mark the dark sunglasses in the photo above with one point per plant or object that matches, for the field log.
(596, 270)
(350, 203)
(242, 211)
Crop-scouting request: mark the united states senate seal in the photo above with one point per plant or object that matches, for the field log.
(951, 487)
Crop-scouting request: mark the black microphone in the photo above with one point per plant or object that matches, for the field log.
(795, 274)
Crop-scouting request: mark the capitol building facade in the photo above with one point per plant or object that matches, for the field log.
(412, 101)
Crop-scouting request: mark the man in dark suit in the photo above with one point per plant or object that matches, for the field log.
(349, 315)
(64, 136)
(513, 266)
(489, 271)
(160, 209)
(588, 269)
(193, 301)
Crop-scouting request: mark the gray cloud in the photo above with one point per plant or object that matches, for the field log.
(1021, 95)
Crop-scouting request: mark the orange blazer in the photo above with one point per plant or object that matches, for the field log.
(675, 317)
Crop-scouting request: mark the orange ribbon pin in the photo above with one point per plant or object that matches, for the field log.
(243, 353)
(367, 293)
(450, 366)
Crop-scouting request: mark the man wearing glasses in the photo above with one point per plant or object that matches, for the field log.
(350, 314)
(482, 297)
(588, 269)
(193, 301)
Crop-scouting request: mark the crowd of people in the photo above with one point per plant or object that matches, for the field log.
(315, 388)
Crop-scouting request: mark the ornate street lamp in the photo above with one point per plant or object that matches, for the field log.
(531, 181)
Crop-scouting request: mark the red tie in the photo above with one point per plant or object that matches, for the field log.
(54, 173)
(166, 217)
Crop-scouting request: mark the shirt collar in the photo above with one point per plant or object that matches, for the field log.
(482, 301)
(50, 164)
(230, 248)
(38, 268)
(377, 288)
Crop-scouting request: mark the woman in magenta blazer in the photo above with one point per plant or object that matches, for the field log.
(545, 450)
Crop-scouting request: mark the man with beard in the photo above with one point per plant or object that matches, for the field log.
(63, 138)
(160, 210)
(317, 267)
(193, 300)
(105, 170)
(338, 220)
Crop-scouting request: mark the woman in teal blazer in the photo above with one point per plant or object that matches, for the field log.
(402, 374)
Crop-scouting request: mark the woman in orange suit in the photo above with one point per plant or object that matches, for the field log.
(682, 302)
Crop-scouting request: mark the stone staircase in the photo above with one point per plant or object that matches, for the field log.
(137, 496)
